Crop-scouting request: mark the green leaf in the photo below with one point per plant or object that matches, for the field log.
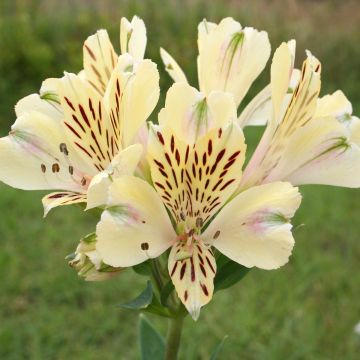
(156, 308)
(142, 301)
(152, 344)
(143, 268)
(228, 274)
(216, 351)
(166, 291)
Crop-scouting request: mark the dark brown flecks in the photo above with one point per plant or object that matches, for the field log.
(69, 103)
(71, 169)
(204, 289)
(43, 168)
(144, 246)
(174, 267)
(202, 269)
(90, 52)
(192, 269)
(182, 270)
(172, 144)
(186, 295)
(216, 235)
(199, 222)
(209, 147)
(160, 137)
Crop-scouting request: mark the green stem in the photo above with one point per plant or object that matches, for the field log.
(173, 338)
(156, 273)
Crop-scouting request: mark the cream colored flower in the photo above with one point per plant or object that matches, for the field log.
(195, 168)
(308, 140)
(230, 58)
(82, 130)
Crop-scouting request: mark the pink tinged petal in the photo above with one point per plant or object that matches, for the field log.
(135, 227)
(195, 181)
(61, 198)
(36, 155)
(99, 60)
(193, 276)
(254, 228)
(124, 163)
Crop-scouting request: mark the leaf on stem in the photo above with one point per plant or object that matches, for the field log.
(152, 344)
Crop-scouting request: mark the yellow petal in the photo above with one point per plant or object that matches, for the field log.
(62, 198)
(193, 277)
(195, 181)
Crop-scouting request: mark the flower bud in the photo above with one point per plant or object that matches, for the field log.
(87, 261)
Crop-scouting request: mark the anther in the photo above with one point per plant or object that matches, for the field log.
(199, 222)
(63, 149)
(191, 232)
(55, 168)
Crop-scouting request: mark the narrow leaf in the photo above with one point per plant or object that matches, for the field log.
(229, 274)
(142, 301)
(152, 344)
(218, 348)
(166, 291)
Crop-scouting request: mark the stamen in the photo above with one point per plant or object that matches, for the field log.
(199, 222)
(63, 149)
(55, 168)
(182, 216)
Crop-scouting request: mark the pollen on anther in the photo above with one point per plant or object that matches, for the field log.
(63, 149)
(55, 168)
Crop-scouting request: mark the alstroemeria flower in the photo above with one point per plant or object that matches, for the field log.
(195, 173)
(230, 58)
(82, 130)
(307, 140)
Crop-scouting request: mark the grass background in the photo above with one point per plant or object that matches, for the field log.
(306, 310)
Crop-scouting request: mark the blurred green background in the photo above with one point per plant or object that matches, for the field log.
(306, 310)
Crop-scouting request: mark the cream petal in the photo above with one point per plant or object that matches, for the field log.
(124, 163)
(254, 228)
(191, 114)
(231, 58)
(335, 104)
(133, 37)
(135, 227)
(99, 60)
(36, 155)
(136, 87)
(172, 67)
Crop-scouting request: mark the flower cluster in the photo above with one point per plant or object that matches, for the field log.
(178, 187)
